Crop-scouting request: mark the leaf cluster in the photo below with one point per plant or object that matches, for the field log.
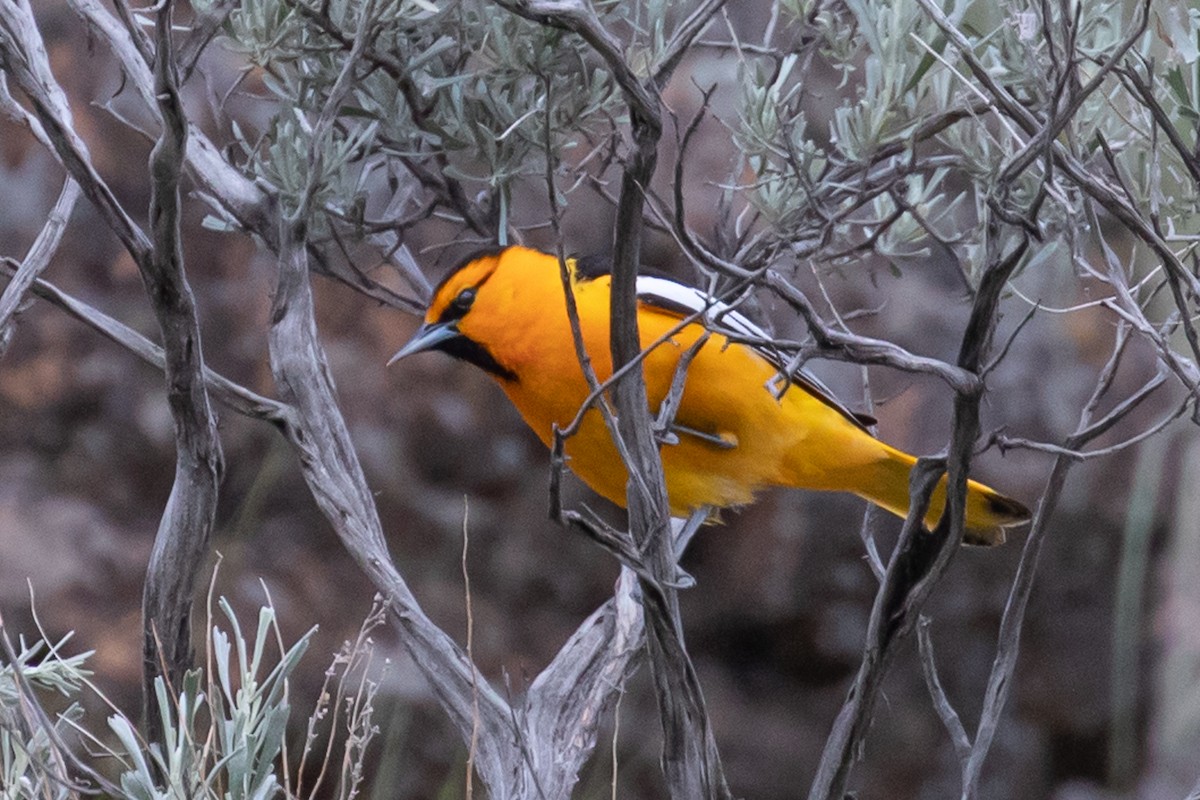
(455, 88)
(224, 728)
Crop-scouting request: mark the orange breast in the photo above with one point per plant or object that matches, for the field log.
(725, 396)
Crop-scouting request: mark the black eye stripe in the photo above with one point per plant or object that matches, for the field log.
(459, 306)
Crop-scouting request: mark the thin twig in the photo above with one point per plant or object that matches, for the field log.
(473, 743)
(941, 703)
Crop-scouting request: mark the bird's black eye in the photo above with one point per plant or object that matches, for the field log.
(457, 308)
(464, 299)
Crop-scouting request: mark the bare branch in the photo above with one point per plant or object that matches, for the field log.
(848, 202)
(690, 757)
(24, 57)
(233, 395)
(241, 198)
(941, 703)
(1009, 638)
(852, 721)
(181, 543)
(335, 478)
(244, 201)
(205, 27)
(10, 108)
(1061, 117)
(864, 350)
(36, 261)
(682, 39)
(567, 702)
(919, 558)
(1141, 87)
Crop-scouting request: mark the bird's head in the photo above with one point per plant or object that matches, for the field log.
(470, 315)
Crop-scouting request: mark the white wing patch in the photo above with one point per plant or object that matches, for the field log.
(720, 317)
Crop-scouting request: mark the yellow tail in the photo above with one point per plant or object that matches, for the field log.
(885, 483)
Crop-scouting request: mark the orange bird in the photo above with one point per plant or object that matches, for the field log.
(504, 311)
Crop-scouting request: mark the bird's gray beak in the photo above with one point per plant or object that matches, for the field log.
(427, 337)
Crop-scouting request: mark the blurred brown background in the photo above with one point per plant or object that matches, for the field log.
(776, 620)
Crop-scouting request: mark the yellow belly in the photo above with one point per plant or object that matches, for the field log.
(725, 396)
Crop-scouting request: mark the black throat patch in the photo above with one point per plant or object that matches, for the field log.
(474, 353)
